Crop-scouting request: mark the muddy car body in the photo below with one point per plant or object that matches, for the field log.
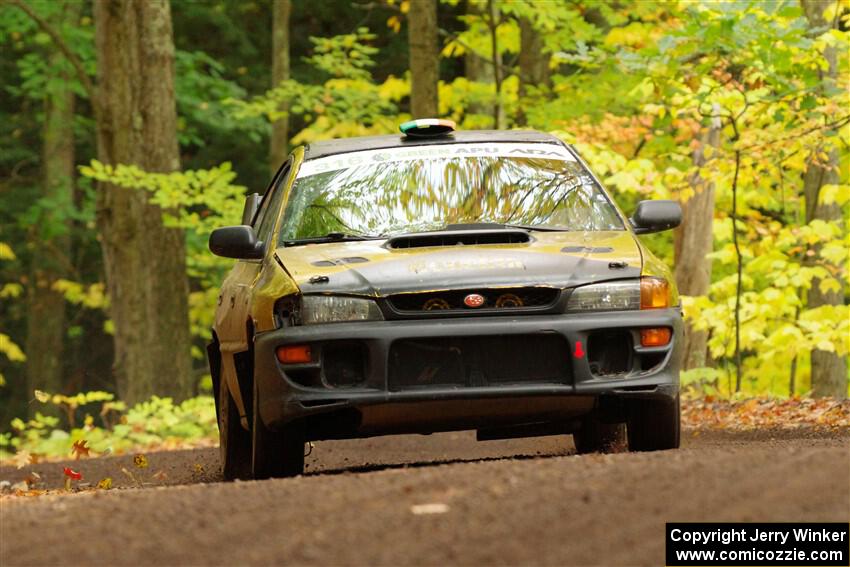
(469, 280)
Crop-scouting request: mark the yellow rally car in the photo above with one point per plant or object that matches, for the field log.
(435, 281)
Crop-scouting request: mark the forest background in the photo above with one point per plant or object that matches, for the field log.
(737, 109)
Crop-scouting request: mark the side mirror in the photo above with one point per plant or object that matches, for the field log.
(252, 205)
(656, 216)
(238, 242)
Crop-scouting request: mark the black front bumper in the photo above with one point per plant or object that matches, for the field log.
(376, 405)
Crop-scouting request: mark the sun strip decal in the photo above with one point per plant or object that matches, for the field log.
(441, 151)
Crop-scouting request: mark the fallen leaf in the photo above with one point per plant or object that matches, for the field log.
(141, 461)
(198, 468)
(432, 508)
(80, 449)
(105, 483)
(32, 478)
(22, 458)
(160, 476)
(756, 413)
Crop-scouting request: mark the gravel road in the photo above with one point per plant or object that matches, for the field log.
(436, 500)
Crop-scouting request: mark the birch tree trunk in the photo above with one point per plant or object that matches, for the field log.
(145, 262)
(281, 10)
(829, 370)
(424, 58)
(693, 241)
(50, 259)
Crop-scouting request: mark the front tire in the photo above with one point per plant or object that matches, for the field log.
(598, 437)
(654, 424)
(234, 441)
(276, 454)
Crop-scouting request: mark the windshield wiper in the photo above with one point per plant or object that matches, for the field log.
(331, 237)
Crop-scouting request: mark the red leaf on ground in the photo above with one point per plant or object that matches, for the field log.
(70, 473)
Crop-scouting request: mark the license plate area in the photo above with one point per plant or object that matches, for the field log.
(478, 361)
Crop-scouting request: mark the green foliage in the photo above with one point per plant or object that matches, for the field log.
(202, 114)
(348, 103)
(7, 347)
(109, 426)
(345, 56)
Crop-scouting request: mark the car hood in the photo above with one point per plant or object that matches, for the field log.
(556, 259)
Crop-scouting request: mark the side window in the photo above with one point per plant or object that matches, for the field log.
(270, 207)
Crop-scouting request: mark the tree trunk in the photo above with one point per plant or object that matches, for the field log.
(533, 63)
(145, 263)
(424, 58)
(828, 370)
(693, 241)
(478, 68)
(280, 72)
(494, 19)
(50, 256)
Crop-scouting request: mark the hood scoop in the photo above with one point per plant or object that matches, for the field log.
(458, 238)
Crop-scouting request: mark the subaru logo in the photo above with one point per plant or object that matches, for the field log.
(473, 300)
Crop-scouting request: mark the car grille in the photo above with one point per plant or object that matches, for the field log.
(478, 361)
(499, 299)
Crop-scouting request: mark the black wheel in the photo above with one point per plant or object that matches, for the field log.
(276, 454)
(234, 441)
(654, 424)
(597, 437)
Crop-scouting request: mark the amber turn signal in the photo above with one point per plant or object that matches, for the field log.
(659, 336)
(294, 354)
(654, 293)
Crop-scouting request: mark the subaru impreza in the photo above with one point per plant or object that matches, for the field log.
(442, 280)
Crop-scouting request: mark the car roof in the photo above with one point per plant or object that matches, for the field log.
(345, 145)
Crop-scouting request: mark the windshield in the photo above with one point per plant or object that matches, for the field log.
(425, 188)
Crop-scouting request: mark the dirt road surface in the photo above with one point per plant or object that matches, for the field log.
(437, 500)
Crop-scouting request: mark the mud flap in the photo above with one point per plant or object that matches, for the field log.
(228, 374)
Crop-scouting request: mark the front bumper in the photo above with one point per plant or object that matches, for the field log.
(374, 406)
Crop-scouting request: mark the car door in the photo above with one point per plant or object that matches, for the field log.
(232, 320)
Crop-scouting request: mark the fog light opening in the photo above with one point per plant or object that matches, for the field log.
(294, 354)
(654, 337)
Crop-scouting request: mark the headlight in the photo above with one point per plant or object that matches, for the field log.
(645, 293)
(335, 309)
(606, 297)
